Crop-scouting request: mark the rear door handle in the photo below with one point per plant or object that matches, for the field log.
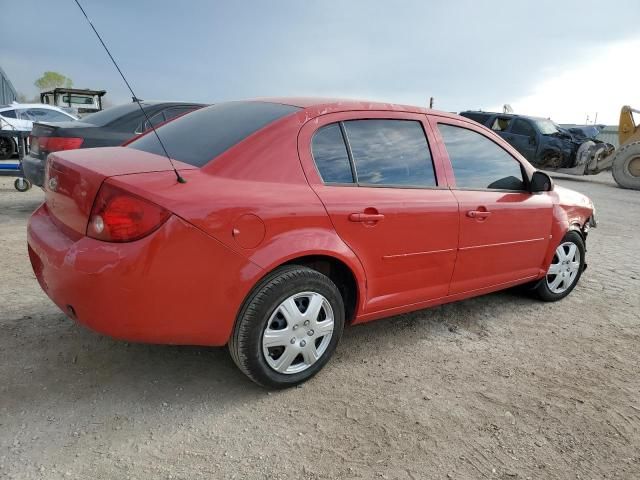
(366, 217)
(478, 214)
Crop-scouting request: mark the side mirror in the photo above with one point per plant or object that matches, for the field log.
(532, 140)
(541, 182)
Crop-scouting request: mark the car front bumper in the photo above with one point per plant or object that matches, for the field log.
(175, 286)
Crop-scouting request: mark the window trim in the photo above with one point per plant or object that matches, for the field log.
(349, 159)
(352, 163)
(525, 176)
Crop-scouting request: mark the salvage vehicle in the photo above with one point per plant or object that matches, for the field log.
(80, 101)
(275, 223)
(109, 127)
(20, 117)
(571, 151)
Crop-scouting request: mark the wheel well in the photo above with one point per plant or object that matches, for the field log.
(339, 273)
(576, 227)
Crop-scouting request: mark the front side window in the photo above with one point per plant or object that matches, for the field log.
(330, 154)
(522, 127)
(390, 152)
(478, 163)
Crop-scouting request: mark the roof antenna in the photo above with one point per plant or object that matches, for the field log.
(135, 99)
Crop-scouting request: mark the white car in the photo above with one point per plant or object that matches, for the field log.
(20, 117)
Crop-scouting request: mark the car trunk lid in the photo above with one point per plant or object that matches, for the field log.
(46, 138)
(73, 179)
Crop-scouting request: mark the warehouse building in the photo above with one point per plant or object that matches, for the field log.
(7, 92)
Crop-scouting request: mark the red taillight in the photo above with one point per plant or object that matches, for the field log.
(120, 216)
(56, 144)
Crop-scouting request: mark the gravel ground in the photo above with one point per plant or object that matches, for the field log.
(500, 386)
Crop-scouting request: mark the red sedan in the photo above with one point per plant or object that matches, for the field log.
(298, 216)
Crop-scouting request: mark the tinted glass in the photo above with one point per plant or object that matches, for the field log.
(104, 117)
(476, 117)
(478, 162)
(330, 154)
(156, 120)
(8, 114)
(174, 112)
(204, 134)
(390, 152)
(522, 127)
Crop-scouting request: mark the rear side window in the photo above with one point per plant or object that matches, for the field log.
(204, 134)
(390, 152)
(478, 163)
(500, 124)
(330, 154)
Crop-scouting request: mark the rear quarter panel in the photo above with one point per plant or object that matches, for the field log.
(255, 199)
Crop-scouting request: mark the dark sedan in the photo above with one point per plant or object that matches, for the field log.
(106, 128)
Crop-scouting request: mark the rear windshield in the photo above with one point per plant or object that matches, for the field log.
(200, 136)
(103, 117)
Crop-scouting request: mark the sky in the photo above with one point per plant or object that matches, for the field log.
(565, 60)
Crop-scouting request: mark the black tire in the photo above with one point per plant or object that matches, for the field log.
(626, 166)
(7, 148)
(542, 289)
(21, 184)
(245, 344)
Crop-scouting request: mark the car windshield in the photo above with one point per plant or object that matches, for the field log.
(102, 118)
(546, 127)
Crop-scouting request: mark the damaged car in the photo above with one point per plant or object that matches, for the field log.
(547, 145)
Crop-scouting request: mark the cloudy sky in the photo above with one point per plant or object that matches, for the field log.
(564, 59)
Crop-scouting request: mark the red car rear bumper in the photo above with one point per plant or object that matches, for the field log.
(176, 286)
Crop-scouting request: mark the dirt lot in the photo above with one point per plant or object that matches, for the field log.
(500, 386)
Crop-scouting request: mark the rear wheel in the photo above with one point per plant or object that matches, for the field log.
(7, 148)
(565, 269)
(288, 328)
(626, 166)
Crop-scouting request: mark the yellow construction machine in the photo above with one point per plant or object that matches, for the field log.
(625, 161)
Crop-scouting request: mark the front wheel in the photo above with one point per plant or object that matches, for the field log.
(565, 269)
(288, 328)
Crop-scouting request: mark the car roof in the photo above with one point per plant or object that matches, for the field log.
(512, 115)
(15, 105)
(30, 105)
(320, 106)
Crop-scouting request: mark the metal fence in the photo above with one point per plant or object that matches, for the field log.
(7, 92)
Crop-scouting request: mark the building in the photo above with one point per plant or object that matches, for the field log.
(609, 134)
(7, 92)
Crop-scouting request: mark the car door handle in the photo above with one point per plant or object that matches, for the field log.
(478, 214)
(366, 217)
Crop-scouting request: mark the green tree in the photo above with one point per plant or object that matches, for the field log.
(50, 80)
